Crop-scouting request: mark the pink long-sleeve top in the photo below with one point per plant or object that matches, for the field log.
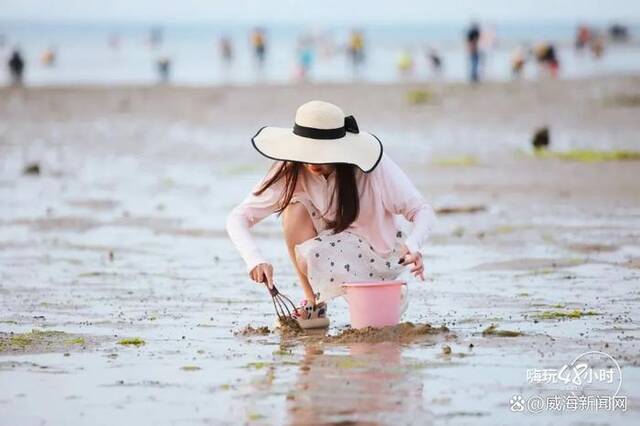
(384, 192)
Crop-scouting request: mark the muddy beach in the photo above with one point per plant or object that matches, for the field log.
(123, 301)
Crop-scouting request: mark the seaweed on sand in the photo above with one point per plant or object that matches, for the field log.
(576, 313)
(493, 330)
(134, 341)
(461, 161)
(589, 156)
(190, 368)
(37, 341)
(419, 96)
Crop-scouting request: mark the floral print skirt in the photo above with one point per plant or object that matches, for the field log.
(333, 259)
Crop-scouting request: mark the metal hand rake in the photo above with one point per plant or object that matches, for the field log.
(283, 305)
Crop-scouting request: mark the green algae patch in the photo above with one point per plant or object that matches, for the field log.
(132, 341)
(461, 161)
(493, 330)
(419, 96)
(190, 368)
(257, 365)
(589, 156)
(40, 341)
(34, 337)
(255, 416)
(504, 229)
(576, 313)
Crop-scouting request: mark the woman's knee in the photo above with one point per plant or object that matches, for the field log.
(296, 216)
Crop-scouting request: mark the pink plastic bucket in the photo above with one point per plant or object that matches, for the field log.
(374, 303)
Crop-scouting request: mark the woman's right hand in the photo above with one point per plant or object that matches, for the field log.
(261, 273)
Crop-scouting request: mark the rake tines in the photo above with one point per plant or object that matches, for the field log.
(282, 304)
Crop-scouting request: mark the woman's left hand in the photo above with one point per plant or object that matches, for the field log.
(415, 258)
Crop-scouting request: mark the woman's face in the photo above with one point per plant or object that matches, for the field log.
(320, 169)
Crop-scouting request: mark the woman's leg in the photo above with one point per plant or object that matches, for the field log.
(298, 227)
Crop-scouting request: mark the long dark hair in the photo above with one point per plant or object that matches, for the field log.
(348, 200)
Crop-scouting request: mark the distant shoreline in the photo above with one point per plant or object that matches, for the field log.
(319, 85)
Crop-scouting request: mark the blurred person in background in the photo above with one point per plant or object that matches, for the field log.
(16, 67)
(355, 49)
(590, 38)
(304, 57)
(618, 32)
(405, 63)
(48, 57)
(259, 44)
(583, 37)
(435, 60)
(547, 58)
(473, 48)
(163, 66)
(518, 61)
(226, 49)
(597, 45)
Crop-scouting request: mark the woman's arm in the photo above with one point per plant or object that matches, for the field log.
(400, 196)
(423, 221)
(244, 216)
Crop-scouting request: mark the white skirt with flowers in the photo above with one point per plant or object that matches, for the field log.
(333, 259)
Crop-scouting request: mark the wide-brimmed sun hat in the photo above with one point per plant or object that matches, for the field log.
(321, 135)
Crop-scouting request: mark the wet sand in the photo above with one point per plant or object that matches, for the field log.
(116, 240)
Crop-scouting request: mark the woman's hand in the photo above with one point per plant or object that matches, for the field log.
(415, 258)
(262, 273)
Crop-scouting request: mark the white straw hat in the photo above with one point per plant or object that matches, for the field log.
(321, 135)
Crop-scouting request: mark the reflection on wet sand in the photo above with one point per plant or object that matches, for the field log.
(372, 384)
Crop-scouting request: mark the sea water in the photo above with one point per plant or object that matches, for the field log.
(105, 53)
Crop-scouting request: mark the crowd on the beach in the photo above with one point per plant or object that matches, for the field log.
(479, 42)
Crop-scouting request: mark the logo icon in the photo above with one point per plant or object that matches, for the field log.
(517, 403)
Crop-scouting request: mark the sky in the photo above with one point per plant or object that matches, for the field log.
(323, 11)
